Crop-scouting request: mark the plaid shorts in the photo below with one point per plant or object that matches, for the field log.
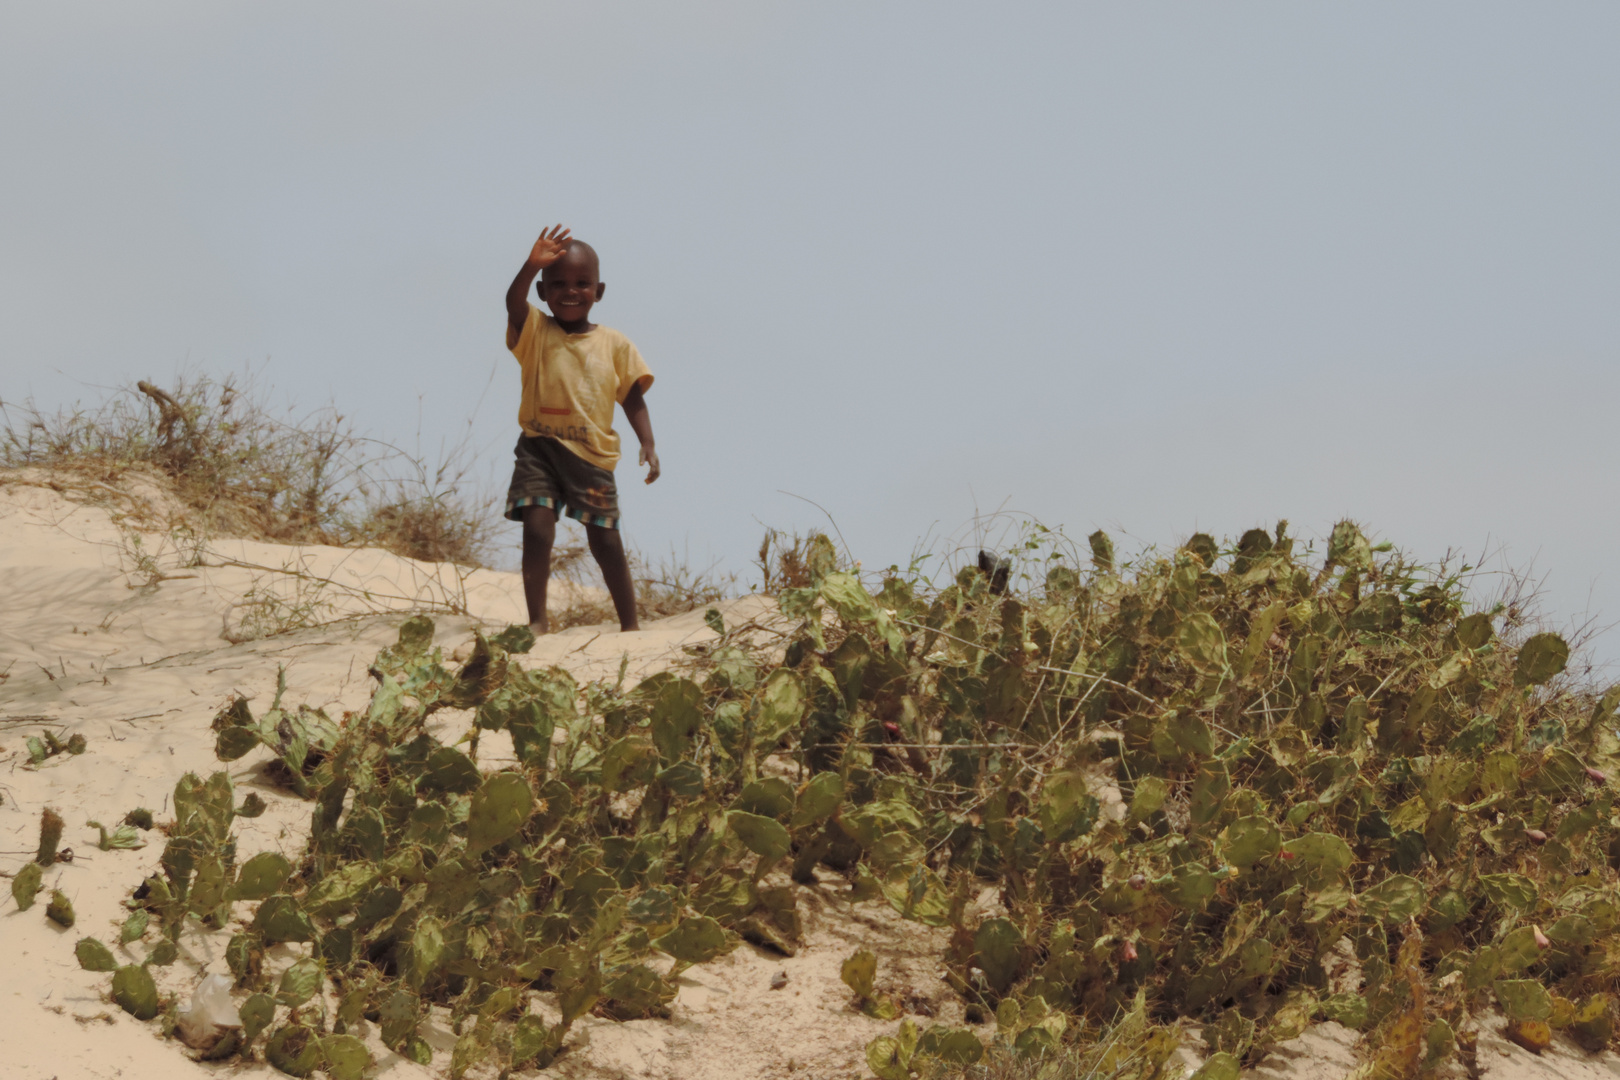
(547, 473)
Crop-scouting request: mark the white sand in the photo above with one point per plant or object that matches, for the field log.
(91, 644)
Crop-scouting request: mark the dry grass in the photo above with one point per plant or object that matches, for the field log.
(211, 458)
(240, 469)
(669, 587)
(673, 587)
(791, 561)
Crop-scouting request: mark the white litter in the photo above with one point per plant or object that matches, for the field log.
(210, 1012)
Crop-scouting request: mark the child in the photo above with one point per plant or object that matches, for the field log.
(573, 372)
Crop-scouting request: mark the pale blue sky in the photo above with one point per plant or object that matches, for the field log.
(1151, 267)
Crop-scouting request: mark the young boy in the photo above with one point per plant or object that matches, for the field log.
(573, 372)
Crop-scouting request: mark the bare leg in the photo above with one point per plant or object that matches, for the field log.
(608, 549)
(539, 533)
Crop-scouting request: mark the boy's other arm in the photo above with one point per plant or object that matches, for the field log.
(635, 411)
(547, 250)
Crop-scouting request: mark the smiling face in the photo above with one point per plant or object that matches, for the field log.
(571, 285)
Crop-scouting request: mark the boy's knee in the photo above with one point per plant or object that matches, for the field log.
(604, 541)
(539, 526)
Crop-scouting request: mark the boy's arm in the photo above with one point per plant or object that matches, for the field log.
(635, 411)
(547, 250)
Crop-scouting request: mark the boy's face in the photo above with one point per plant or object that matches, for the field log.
(571, 285)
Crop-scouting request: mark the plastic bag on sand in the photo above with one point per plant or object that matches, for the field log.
(210, 1012)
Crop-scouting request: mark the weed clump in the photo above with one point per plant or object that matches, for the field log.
(1239, 784)
(242, 470)
(791, 561)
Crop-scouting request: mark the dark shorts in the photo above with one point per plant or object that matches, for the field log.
(547, 473)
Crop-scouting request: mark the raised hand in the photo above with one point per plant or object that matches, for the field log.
(550, 247)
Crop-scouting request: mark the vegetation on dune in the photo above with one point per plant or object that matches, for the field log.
(240, 469)
(243, 470)
(1248, 786)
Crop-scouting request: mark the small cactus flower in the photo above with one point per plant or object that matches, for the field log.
(1597, 776)
(1537, 835)
(1541, 939)
(1138, 881)
(1127, 952)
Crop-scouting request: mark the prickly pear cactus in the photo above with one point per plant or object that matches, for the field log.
(1206, 785)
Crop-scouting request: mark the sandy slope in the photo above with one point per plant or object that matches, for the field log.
(91, 643)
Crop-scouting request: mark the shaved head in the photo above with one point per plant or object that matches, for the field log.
(571, 285)
(579, 256)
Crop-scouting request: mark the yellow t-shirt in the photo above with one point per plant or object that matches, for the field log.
(571, 382)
